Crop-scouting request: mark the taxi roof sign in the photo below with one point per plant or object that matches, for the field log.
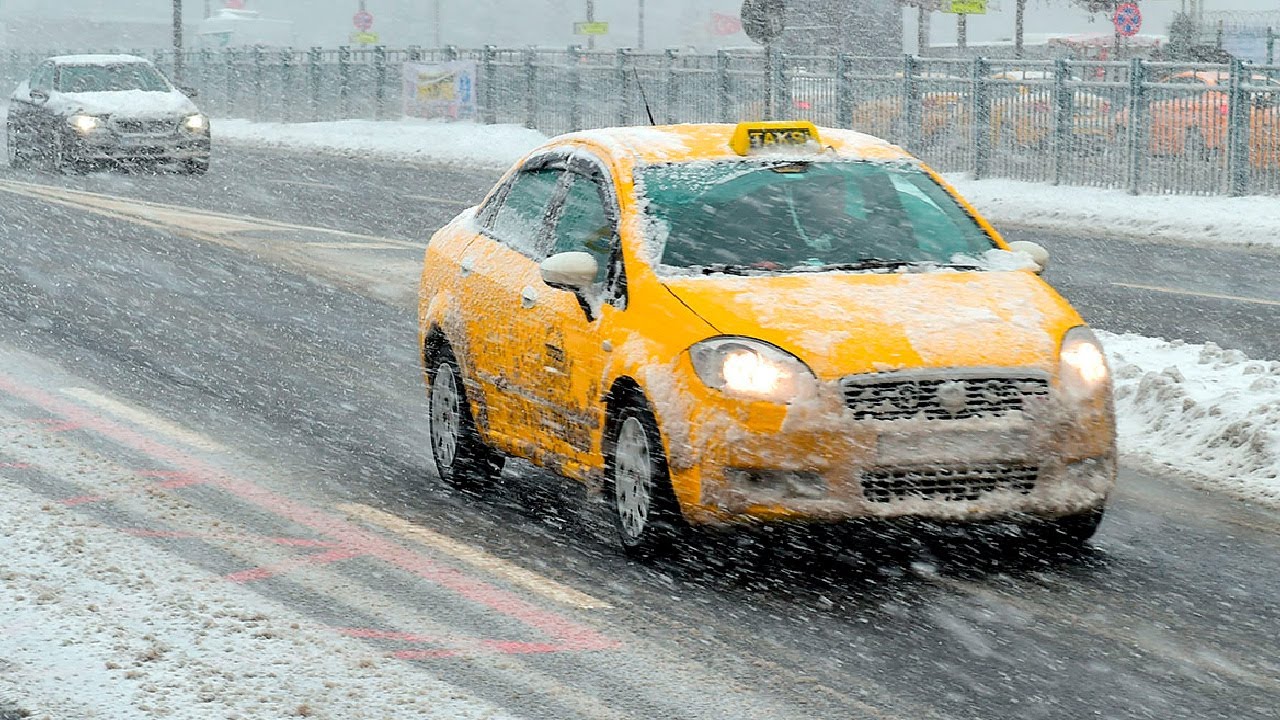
(749, 137)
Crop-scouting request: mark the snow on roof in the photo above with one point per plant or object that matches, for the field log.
(710, 141)
(97, 59)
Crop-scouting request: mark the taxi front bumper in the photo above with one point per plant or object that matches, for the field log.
(756, 462)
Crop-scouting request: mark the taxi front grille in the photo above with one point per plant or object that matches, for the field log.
(145, 127)
(940, 398)
(947, 484)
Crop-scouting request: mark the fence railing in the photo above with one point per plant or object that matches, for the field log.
(1141, 126)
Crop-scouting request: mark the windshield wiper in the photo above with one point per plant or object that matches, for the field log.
(730, 269)
(881, 264)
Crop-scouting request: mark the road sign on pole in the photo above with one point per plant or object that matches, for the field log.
(1128, 19)
(363, 21)
(965, 7)
(763, 20)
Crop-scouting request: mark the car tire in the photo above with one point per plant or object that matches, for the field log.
(17, 158)
(645, 512)
(461, 457)
(196, 167)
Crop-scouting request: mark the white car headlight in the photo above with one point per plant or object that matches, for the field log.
(196, 123)
(748, 369)
(1083, 364)
(85, 124)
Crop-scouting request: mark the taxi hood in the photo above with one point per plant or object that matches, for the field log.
(844, 323)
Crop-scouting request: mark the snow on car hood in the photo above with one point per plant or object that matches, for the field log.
(125, 103)
(844, 323)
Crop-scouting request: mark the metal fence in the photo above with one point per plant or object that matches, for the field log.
(1145, 127)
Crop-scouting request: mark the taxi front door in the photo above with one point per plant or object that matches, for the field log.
(564, 329)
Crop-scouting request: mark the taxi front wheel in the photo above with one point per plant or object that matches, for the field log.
(461, 457)
(646, 513)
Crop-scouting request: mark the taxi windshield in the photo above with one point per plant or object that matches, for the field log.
(775, 215)
(109, 78)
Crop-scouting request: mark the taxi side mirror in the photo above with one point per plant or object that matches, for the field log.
(573, 271)
(1035, 251)
(189, 91)
(39, 96)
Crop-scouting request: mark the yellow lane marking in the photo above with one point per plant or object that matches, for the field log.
(1215, 296)
(477, 558)
(138, 416)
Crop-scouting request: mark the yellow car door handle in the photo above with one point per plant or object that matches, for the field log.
(528, 297)
(466, 267)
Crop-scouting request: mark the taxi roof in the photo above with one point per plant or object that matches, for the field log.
(652, 145)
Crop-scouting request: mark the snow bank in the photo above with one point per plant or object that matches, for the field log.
(461, 143)
(1179, 218)
(92, 628)
(1202, 411)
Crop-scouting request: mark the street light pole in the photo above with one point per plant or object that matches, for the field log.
(177, 41)
(640, 33)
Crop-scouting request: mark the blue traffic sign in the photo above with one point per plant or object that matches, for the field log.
(1128, 19)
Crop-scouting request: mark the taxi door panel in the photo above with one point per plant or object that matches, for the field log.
(495, 270)
(567, 361)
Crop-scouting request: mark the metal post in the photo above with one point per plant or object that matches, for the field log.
(910, 115)
(177, 41)
(844, 91)
(1020, 13)
(1063, 123)
(490, 87)
(640, 25)
(981, 113)
(530, 89)
(379, 82)
(313, 72)
(722, 86)
(1271, 46)
(768, 81)
(624, 87)
(257, 82)
(591, 17)
(1138, 143)
(435, 18)
(778, 93)
(575, 88)
(1238, 130)
(671, 85)
(962, 30)
(229, 56)
(286, 84)
(344, 79)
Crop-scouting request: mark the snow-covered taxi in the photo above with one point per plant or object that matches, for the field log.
(768, 322)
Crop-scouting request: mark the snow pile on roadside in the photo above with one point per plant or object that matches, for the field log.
(1178, 218)
(91, 628)
(461, 143)
(1201, 410)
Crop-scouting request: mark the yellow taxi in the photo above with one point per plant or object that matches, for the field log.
(720, 325)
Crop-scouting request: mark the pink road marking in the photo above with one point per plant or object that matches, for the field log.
(568, 635)
(14, 466)
(56, 424)
(262, 573)
(180, 480)
(178, 535)
(452, 645)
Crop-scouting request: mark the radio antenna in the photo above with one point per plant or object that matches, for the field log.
(648, 111)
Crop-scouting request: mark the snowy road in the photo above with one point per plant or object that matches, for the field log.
(236, 389)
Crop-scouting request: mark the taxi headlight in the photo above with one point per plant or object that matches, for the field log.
(748, 369)
(196, 123)
(1083, 364)
(85, 124)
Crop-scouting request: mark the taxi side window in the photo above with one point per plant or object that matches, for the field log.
(520, 219)
(42, 78)
(584, 223)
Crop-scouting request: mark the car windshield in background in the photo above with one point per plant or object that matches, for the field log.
(772, 216)
(108, 78)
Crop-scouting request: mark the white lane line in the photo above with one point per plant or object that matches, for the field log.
(1215, 296)
(359, 246)
(138, 416)
(304, 183)
(477, 558)
(442, 201)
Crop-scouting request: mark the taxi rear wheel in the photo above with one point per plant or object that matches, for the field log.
(461, 457)
(645, 511)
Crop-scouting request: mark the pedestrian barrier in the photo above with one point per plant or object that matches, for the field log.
(1146, 127)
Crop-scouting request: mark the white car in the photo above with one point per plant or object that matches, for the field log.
(76, 111)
